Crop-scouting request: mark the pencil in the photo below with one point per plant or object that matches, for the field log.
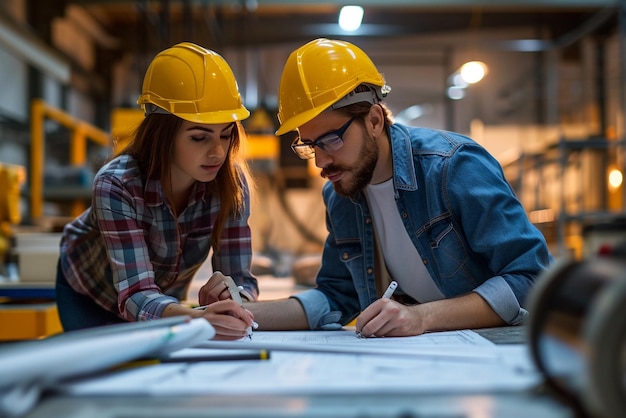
(252, 355)
(226, 356)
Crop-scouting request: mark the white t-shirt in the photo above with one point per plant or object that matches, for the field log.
(403, 261)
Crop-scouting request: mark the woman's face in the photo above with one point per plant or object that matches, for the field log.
(200, 150)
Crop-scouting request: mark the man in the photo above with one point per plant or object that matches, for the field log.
(426, 208)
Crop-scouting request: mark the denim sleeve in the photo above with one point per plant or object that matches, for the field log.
(497, 230)
(498, 294)
(318, 311)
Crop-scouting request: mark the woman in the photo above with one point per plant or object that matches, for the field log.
(172, 194)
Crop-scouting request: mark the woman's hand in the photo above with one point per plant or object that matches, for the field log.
(213, 291)
(230, 320)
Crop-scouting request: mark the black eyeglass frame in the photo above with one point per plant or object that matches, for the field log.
(331, 141)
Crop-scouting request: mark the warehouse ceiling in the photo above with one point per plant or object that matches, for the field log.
(399, 35)
(151, 25)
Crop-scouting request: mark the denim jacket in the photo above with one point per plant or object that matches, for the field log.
(460, 213)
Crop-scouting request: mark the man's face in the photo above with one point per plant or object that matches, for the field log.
(349, 168)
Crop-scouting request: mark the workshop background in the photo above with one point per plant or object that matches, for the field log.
(550, 108)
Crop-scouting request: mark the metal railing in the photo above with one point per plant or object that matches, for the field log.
(81, 132)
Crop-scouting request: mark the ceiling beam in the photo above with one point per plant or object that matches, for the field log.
(394, 3)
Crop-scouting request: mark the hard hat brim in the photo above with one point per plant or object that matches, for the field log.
(297, 121)
(222, 116)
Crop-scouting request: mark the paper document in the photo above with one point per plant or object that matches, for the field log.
(465, 344)
(334, 362)
(348, 337)
(300, 373)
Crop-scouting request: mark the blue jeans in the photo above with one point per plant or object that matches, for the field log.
(77, 311)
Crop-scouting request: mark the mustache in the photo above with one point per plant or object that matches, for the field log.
(329, 170)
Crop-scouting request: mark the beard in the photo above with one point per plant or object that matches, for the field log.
(359, 175)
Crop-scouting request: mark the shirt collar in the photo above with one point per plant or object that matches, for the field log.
(402, 152)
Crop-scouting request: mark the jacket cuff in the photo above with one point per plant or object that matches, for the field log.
(317, 310)
(499, 295)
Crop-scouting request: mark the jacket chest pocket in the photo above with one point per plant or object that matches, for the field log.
(448, 252)
(348, 253)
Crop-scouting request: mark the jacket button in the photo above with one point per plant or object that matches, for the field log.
(370, 270)
(425, 261)
(404, 215)
(344, 256)
(368, 221)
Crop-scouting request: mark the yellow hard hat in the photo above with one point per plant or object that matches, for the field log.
(321, 73)
(193, 83)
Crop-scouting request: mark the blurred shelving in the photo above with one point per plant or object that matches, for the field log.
(560, 187)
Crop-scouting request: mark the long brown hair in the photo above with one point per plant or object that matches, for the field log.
(152, 146)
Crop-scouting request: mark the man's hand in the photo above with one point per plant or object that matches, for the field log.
(387, 318)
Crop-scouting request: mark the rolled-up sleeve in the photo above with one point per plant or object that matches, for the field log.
(499, 295)
(317, 309)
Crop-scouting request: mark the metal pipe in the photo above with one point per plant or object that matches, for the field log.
(33, 51)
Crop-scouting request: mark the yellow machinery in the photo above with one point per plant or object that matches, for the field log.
(19, 320)
(11, 179)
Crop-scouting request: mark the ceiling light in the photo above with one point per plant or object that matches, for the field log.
(615, 179)
(410, 113)
(350, 18)
(473, 71)
(469, 73)
(457, 80)
(456, 93)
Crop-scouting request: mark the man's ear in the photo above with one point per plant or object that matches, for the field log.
(376, 120)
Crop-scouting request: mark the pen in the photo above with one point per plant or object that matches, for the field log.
(235, 294)
(203, 307)
(389, 292)
(255, 325)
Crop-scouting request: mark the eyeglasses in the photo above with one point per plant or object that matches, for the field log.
(331, 141)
